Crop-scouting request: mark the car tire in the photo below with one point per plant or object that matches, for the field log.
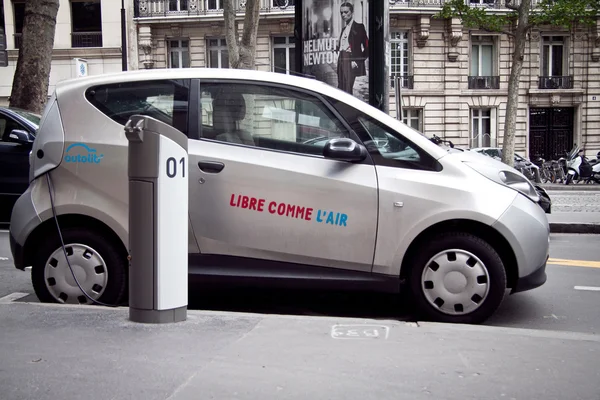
(457, 278)
(100, 269)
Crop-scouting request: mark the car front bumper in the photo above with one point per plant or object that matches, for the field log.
(525, 226)
(535, 279)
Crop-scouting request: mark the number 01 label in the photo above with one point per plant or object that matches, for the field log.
(172, 167)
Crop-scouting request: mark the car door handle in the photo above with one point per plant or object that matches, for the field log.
(211, 166)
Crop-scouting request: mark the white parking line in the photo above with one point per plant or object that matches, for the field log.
(12, 297)
(590, 288)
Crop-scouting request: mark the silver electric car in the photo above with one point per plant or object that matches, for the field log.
(291, 181)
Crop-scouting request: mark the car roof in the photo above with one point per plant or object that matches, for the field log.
(197, 73)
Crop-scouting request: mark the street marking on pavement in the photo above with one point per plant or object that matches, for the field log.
(4, 258)
(590, 288)
(574, 263)
(360, 331)
(554, 316)
(12, 297)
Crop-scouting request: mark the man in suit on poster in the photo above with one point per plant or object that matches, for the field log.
(352, 48)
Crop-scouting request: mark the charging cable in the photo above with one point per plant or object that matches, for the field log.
(62, 243)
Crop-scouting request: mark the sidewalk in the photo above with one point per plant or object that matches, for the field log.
(575, 187)
(575, 211)
(73, 352)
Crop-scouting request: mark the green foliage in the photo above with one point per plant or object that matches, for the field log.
(557, 13)
(475, 17)
(565, 13)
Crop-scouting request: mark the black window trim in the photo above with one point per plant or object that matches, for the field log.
(197, 136)
(377, 158)
(187, 81)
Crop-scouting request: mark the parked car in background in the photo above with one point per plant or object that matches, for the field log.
(17, 132)
(529, 169)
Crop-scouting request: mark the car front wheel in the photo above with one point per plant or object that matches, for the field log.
(100, 269)
(457, 278)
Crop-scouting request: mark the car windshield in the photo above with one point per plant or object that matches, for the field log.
(34, 118)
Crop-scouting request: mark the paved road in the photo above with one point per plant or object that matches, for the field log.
(557, 305)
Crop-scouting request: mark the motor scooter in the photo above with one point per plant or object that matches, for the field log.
(579, 168)
(596, 160)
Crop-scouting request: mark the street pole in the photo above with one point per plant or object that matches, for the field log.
(123, 37)
(398, 87)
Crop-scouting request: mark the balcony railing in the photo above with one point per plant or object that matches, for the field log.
(86, 39)
(556, 82)
(496, 4)
(18, 40)
(168, 8)
(164, 8)
(484, 82)
(406, 81)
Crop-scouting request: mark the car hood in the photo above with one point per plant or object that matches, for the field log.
(474, 158)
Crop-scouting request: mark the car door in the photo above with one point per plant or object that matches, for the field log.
(14, 166)
(260, 187)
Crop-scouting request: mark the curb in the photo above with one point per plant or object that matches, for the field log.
(561, 227)
(556, 188)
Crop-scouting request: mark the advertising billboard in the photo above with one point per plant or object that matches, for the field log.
(335, 44)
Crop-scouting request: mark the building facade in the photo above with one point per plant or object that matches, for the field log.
(87, 40)
(454, 80)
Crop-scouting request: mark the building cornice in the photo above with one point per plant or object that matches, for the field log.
(84, 52)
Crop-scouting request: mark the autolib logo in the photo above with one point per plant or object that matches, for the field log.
(88, 155)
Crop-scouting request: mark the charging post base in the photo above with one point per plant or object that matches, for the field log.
(158, 221)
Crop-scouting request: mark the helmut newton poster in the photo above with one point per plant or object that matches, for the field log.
(335, 44)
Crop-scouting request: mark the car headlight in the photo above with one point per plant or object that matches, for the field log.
(512, 179)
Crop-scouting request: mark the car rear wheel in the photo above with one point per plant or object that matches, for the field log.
(458, 278)
(99, 268)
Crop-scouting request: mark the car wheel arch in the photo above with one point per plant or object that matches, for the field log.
(485, 232)
(48, 227)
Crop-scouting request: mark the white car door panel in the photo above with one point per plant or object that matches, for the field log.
(249, 199)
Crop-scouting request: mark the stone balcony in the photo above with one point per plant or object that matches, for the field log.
(188, 8)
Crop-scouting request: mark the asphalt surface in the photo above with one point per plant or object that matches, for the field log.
(542, 344)
(65, 352)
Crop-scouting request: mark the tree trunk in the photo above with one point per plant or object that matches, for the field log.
(510, 123)
(241, 53)
(32, 75)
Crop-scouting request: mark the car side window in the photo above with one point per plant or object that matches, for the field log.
(492, 153)
(165, 100)
(7, 125)
(267, 117)
(386, 146)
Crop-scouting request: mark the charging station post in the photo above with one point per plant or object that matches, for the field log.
(158, 221)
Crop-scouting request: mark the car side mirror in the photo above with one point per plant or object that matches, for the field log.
(18, 136)
(344, 149)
